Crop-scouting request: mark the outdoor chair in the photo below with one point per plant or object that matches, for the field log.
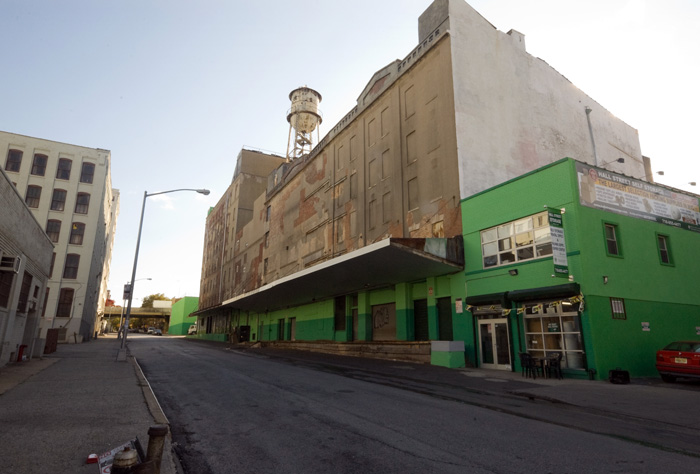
(554, 366)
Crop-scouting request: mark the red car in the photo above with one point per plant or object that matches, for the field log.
(679, 359)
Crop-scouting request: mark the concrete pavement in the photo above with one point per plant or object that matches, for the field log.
(57, 410)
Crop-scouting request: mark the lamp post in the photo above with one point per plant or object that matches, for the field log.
(136, 259)
(122, 330)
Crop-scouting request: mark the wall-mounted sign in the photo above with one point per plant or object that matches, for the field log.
(556, 230)
(617, 193)
(645, 327)
(458, 306)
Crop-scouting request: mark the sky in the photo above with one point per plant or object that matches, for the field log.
(175, 88)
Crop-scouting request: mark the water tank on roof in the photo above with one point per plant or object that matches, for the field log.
(304, 115)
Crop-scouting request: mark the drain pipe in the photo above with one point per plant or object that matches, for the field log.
(590, 130)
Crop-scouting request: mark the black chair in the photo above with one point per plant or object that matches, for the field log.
(554, 366)
(529, 365)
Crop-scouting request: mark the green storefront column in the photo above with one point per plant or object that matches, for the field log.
(405, 330)
(433, 324)
(364, 317)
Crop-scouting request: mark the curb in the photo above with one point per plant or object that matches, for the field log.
(171, 462)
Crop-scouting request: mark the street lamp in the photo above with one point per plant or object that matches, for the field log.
(136, 259)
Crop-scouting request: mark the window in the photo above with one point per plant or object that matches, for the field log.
(554, 326)
(65, 302)
(617, 305)
(82, 203)
(33, 196)
(524, 239)
(612, 245)
(24, 293)
(53, 261)
(664, 249)
(64, 166)
(87, 173)
(14, 160)
(70, 270)
(6, 279)
(267, 214)
(46, 302)
(77, 231)
(58, 201)
(39, 164)
(53, 229)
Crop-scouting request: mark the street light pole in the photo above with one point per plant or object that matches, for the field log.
(136, 259)
(121, 316)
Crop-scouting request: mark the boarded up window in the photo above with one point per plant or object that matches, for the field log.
(353, 186)
(386, 207)
(371, 132)
(413, 193)
(411, 151)
(373, 173)
(384, 322)
(385, 122)
(353, 148)
(386, 164)
(342, 157)
(373, 214)
(409, 101)
(353, 224)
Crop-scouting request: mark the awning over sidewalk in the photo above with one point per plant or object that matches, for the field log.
(383, 263)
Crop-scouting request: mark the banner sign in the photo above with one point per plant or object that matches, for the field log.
(556, 229)
(617, 193)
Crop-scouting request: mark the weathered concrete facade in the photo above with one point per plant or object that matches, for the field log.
(466, 110)
(25, 261)
(68, 188)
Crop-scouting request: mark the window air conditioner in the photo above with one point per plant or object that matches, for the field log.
(9, 264)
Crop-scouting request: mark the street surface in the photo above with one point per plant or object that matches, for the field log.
(269, 411)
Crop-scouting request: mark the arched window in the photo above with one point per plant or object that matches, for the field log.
(58, 201)
(77, 231)
(70, 269)
(14, 160)
(65, 302)
(39, 164)
(53, 229)
(64, 166)
(33, 195)
(82, 203)
(87, 173)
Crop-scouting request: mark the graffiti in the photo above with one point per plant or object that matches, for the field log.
(380, 317)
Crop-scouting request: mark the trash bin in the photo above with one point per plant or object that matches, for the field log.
(20, 353)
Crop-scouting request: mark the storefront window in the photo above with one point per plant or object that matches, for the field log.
(554, 326)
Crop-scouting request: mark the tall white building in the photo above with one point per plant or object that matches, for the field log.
(69, 190)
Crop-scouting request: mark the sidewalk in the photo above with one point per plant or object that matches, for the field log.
(57, 410)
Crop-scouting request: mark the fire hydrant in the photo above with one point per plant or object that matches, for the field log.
(124, 461)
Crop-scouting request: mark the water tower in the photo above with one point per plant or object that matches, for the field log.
(303, 117)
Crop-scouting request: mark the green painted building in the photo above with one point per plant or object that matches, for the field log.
(626, 280)
(180, 317)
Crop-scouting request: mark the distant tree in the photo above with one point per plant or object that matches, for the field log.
(148, 300)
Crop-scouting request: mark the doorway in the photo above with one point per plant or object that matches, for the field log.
(494, 344)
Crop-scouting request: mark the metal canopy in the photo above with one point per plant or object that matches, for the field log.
(384, 263)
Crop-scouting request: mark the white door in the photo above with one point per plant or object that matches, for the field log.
(494, 344)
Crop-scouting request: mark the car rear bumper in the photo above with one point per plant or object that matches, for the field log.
(678, 371)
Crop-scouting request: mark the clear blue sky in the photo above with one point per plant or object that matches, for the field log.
(176, 88)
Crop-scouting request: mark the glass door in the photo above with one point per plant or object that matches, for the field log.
(494, 344)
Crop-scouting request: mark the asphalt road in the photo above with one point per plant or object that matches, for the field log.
(247, 411)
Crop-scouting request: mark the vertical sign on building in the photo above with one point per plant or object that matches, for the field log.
(556, 229)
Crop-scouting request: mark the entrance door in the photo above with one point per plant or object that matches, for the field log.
(494, 344)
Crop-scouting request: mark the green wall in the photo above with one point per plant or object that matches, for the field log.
(180, 319)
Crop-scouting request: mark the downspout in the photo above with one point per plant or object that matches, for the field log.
(590, 131)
